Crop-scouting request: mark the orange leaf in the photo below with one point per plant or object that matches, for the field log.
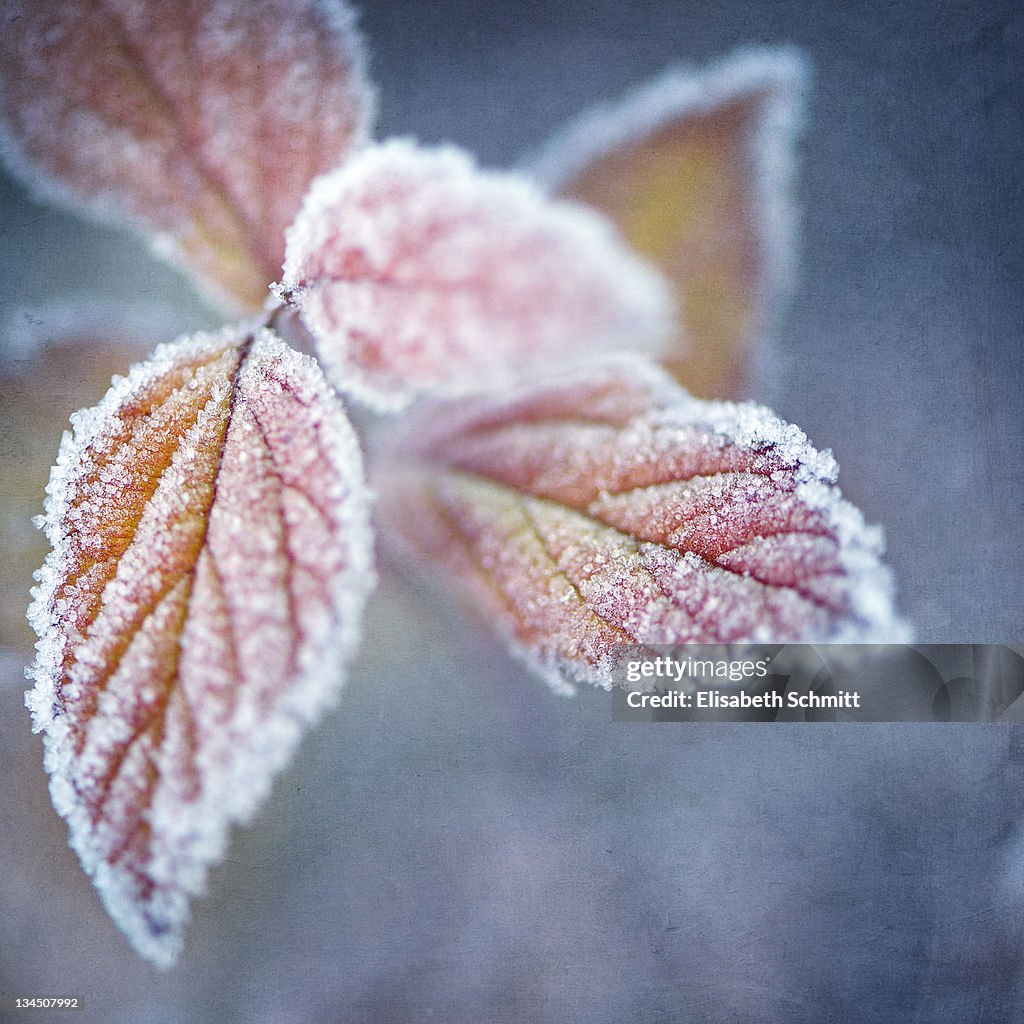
(210, 563)
(609, 508)
(201, 122)
(695, 170)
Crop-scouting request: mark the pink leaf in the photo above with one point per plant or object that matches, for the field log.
(417, 272)
(211, 558)
(201, 122)
(695, 168)
(607, 507)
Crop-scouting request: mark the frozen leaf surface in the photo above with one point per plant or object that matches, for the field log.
(417, 272)
(201, 122)
(696, 171)
(608, 508)
(209, 567)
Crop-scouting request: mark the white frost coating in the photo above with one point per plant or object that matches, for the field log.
(679, 93)
(241, 738)
(416, 273)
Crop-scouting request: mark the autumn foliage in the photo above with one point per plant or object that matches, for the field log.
(210, 521)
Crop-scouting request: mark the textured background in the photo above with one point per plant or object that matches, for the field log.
(456, 842)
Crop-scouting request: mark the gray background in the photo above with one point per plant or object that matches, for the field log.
(456, 842)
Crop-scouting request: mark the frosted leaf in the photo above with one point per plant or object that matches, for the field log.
(417, 272)
(200, 122)
(210, 562)
(696, 169)
(607, 507)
